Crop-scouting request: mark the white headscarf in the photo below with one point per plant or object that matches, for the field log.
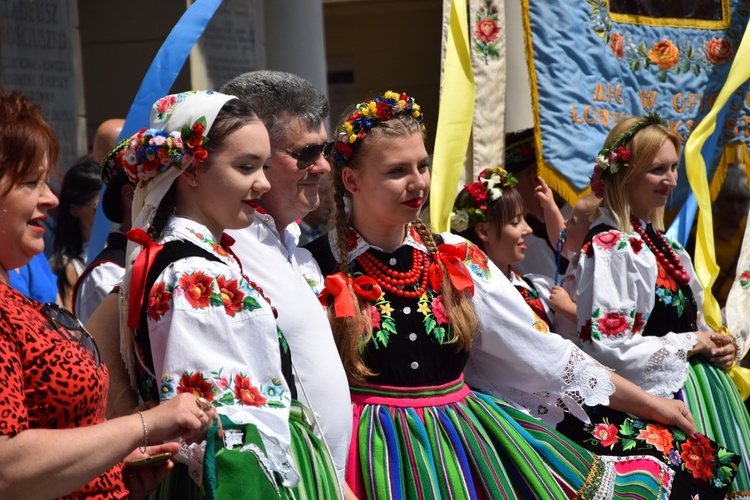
(170, 114)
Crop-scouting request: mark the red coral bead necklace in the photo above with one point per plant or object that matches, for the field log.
(395, 281)
(671, 264)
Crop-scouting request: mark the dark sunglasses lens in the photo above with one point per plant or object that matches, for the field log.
(309, 154)
(328, 148)
(61, 317)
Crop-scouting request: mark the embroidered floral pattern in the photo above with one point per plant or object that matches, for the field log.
(745, 279)
(239, 390)
(196, 384)
(716, 467)
(197, 288)
(668, 292)
(386, 324)
(610, 239)
(688, 54)
(158, 301)
(487, 29)
(476, 261)
(203, 290)
(209, 241)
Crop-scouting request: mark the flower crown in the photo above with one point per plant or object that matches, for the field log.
(614, 156)
(150, 152)
(487, 189)
(368, 114)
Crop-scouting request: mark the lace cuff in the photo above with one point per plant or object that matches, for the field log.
(586, 381)
(192, 456)
(666, 370)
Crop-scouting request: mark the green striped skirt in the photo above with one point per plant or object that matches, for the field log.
(449, 442)
(721, 415)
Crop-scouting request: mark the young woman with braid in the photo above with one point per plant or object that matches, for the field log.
(419, 318)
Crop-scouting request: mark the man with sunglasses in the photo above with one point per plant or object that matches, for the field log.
(293, 111)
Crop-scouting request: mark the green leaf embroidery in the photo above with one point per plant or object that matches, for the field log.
(628, 444)
(250, 304)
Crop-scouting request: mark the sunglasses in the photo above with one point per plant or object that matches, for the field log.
(66, 319)
(309, 154)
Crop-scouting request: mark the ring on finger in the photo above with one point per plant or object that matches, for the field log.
(203, 403)
(200, 414)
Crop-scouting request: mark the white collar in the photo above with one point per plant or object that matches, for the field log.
(357, 245)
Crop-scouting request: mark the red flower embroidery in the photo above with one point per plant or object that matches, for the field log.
(374, 317)
(351, 243)
(220, 250)
(246, 393)
(606, 434)
(197, 288)
(588, 249)
(636, 244)
(196, 385)
(612, 324)
(698, 456)
(664, 280)
(658, 436)
(158, 301)
(230, 294)
(477, 256)
(585, 333)
(615, 44)
(438, 309)
(607, 240)
(638, 322)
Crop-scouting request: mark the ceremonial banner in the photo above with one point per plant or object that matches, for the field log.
(472, 100)
(593, 62)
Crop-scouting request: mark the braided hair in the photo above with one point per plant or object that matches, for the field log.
(353, 333)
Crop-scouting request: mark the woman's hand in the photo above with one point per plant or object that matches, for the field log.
(143, 481)
(724, 354)
(183, 417)
(704, 345)
(671, 412)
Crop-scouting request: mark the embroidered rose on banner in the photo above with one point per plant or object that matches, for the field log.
(719, 51)
(487, 30)
(195, 384)
(158, 301)
(197, 288)
(615, 44)
(664, 54)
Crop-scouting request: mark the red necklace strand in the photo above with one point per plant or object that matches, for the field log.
(676, 270)
(395, 281)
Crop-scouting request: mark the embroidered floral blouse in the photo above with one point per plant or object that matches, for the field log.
(505, 358)
(619, 286)
(213, 335)
(535, 290)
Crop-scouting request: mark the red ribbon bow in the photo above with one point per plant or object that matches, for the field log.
(140, 272)
(452, 257)
(343, 303)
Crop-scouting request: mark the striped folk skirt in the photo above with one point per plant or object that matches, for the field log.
(721, 415)
(449, 442)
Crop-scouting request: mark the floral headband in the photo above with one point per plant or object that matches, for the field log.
(613, 157)
(369, 114)
(487, 189)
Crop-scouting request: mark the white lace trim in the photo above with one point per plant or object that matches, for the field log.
(666, 370)
(273, 461)
(363, 246)
(192, 456)
(587, 382)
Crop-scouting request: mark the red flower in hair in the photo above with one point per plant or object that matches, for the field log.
(478, 193)
(384, 111)
(345, 148)
(198, 128)
(200, 154)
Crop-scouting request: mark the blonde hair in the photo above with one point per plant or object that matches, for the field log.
(353, 333)
(643, 148)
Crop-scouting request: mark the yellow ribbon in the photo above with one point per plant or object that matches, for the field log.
(705, 256)
(455, 117)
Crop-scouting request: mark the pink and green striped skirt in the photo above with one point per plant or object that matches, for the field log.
(450, 442)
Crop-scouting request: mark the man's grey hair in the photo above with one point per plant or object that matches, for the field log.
(277, 97)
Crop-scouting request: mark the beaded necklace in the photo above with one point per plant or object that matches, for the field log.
(671, 264)
(395, 281)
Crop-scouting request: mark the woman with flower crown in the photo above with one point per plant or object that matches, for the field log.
(193, 321)
(638, 296)
(413, 313)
